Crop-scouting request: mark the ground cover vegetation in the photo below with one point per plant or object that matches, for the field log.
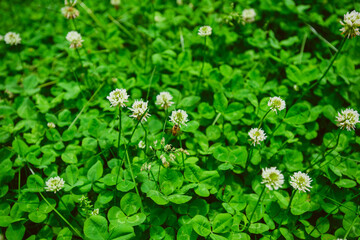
(179, 119)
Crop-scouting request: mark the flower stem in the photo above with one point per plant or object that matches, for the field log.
(216, 118)
(62, 217)
(119, 137)
(288, 207)
(257, 203)
(146, 140)
(249, 157)
(151, 78)
(118, 148)
(352, 224)
(68, 210)
(263, 118)
(133, 178)
(202, 67)
(327, 148)
(182, 153)
(324, 74)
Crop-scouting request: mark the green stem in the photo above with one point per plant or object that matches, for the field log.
(118, 148)
(133, 178)
(62, 217)
(324, 74)
(288, 207)
(272, 134)
(351, 226)
(151, 78)
(119, 137)
(257, 203)
(182, 153)
(263, 118)
(217, 118)
(327, 148)
(87, 103)
(68, 210)
(146, 141)
(202, 67)
(249, 157)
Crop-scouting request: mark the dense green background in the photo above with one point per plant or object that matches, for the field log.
(290, 43)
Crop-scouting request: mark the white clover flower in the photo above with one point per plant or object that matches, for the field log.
(167, 147)
(205, 31)
(248, 15)
(164, 161)
(96, 211)
(75, 39)
(51, 125)
(172, 157)
(141, 144)
(12, 38)
(54, 184)
(118, 97)
(348, 119)
(276, 104)
(115, 3)
(257, 135)
(300, 181)
(139, 109)
(70, 12)
(164, 100)
(179, 117)
(162, 142)
(351, 24)
(272, 178)
(145, 167)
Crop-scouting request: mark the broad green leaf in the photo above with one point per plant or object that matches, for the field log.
(96, 227)
(201, 225)
(222, 223)
(130, 203)
(298, 114)
(95, 172)
(258, 228)
(158, 197)
(220, 102)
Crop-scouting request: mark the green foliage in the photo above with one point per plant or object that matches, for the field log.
(207, 182)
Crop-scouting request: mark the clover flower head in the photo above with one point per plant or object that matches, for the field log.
(162, 142)
(257, 135)
(51, 125)
(248, 15)
(348, 119)
(12, 38)
(118, 97)
(164, 100)
(276, 104)
(179, 117)
(272, 178)
(115, 3)
(54, 184)
(145, 167)
(205, 31)
(164, 161)
(70, 12)
(75, 39)
(139, 109)
(351, 24)
(300, 181)
(141, 144)
(96, 211)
